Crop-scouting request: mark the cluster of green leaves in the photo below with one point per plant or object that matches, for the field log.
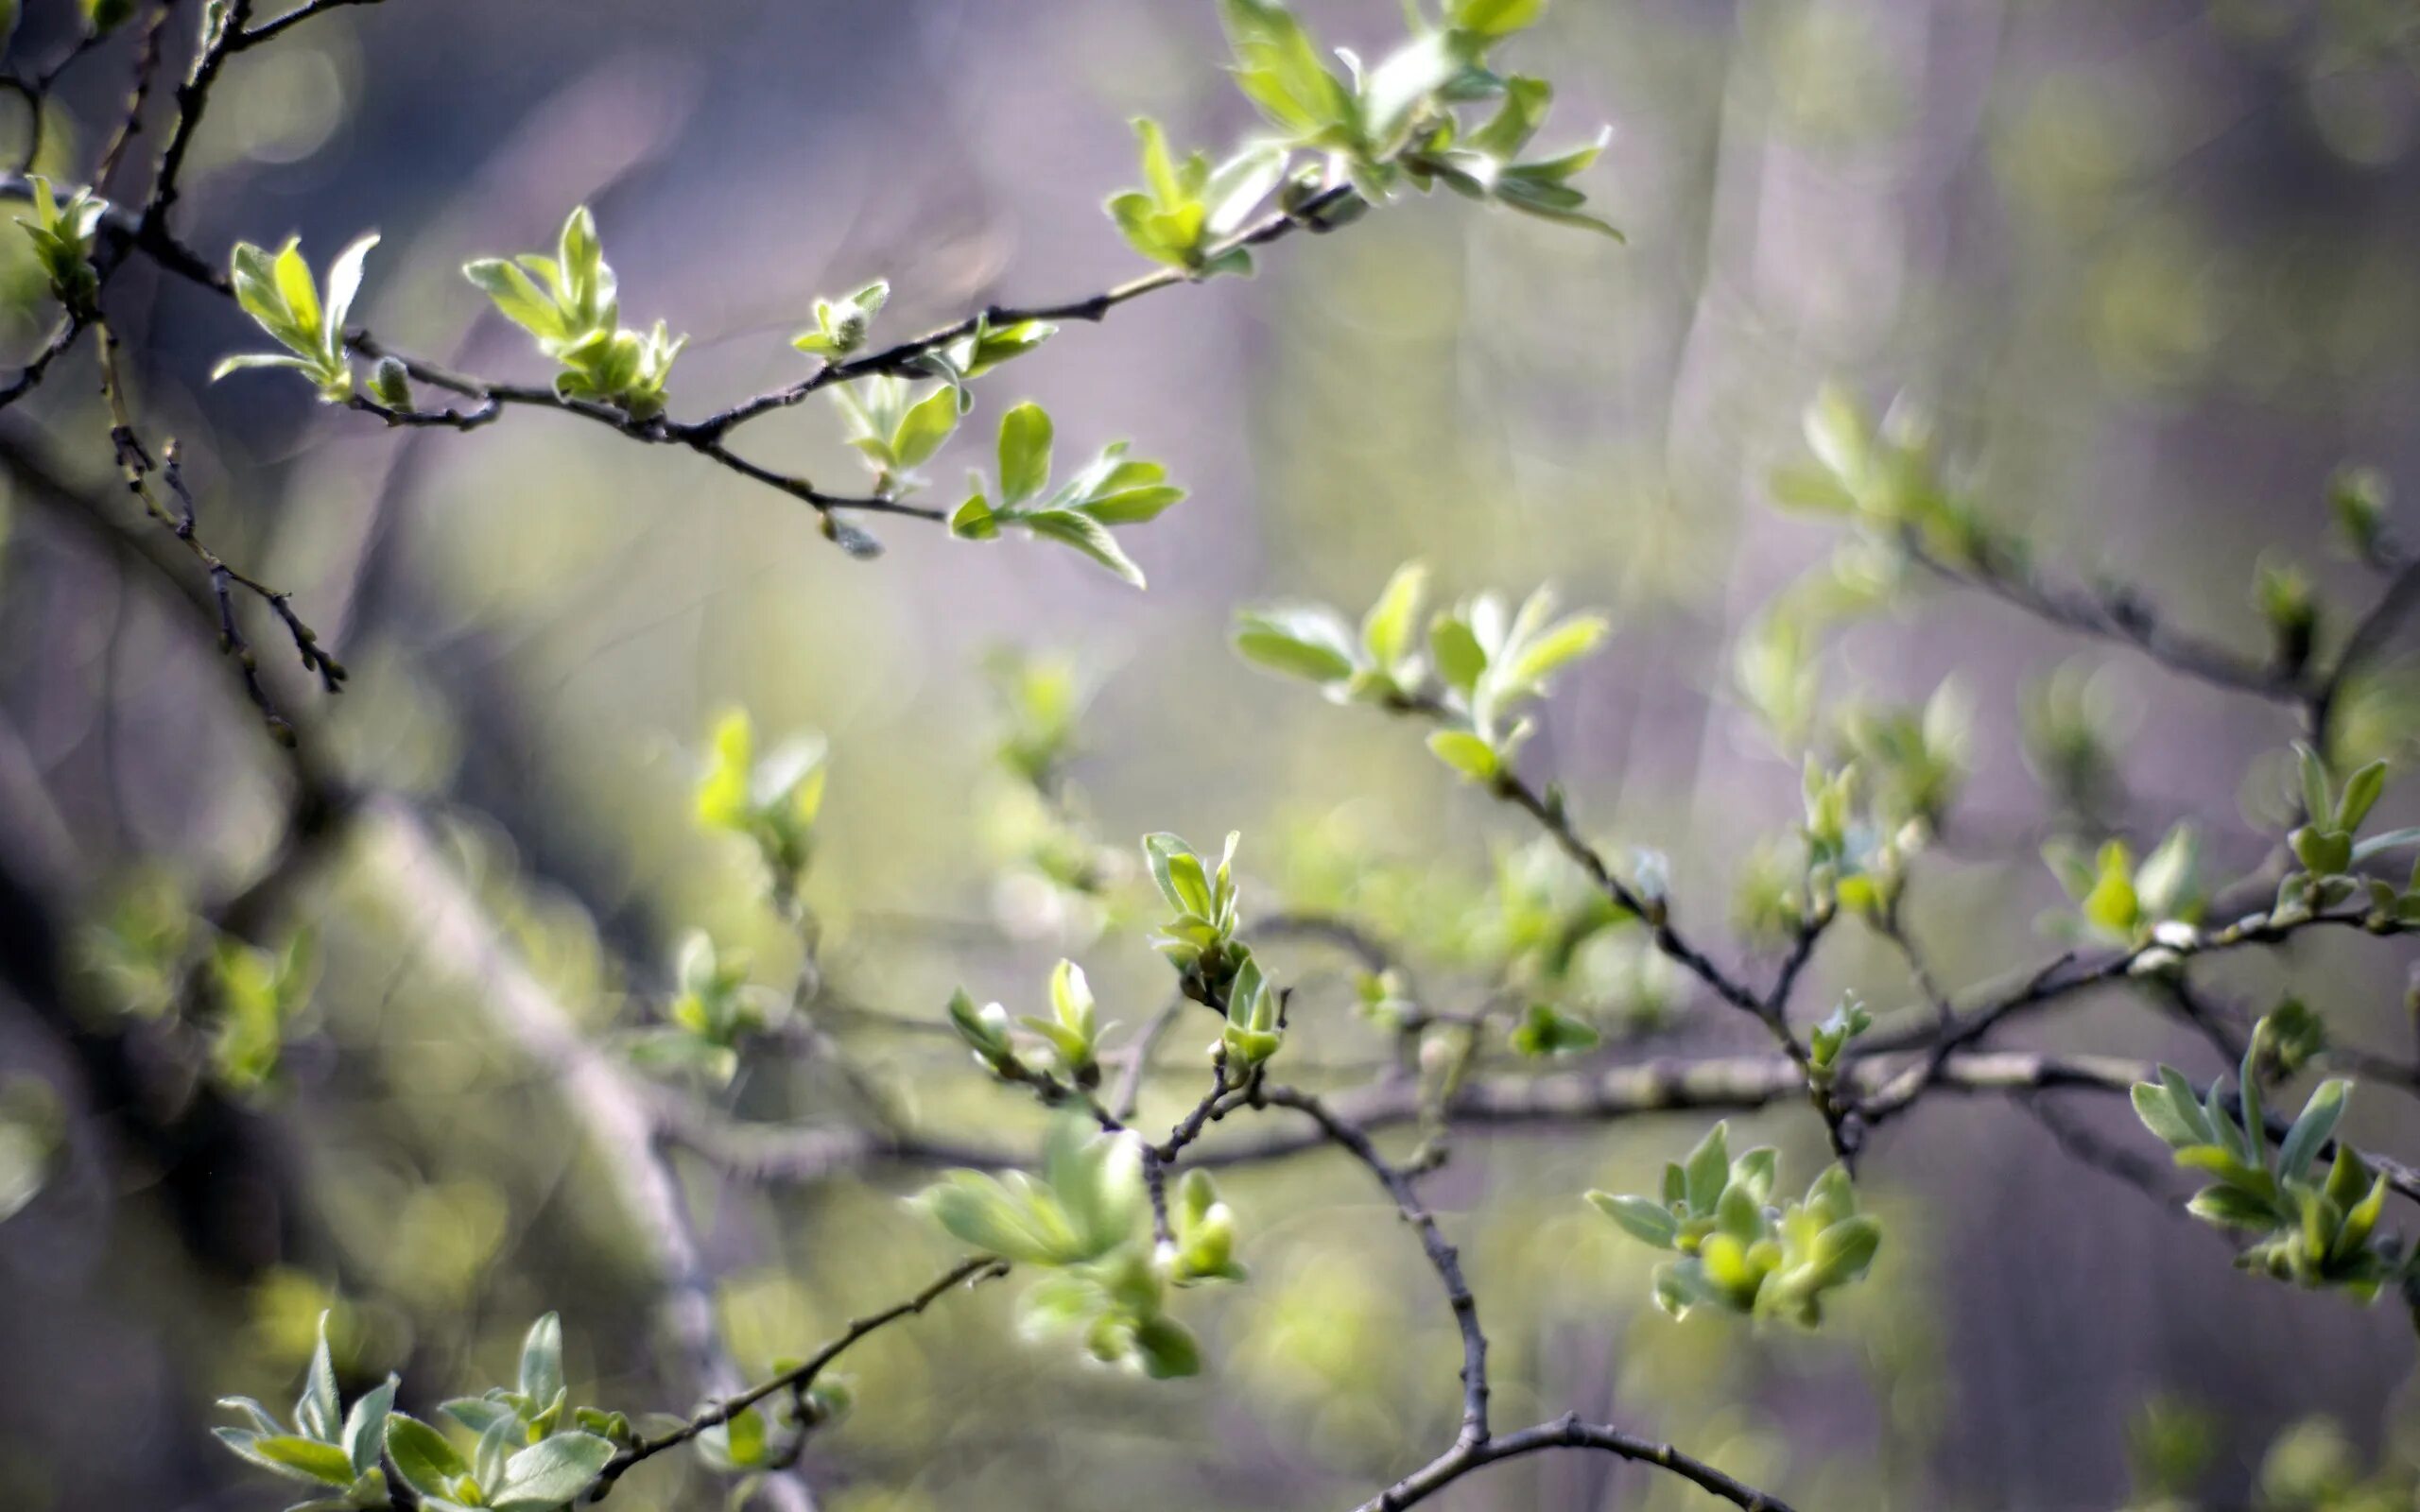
(1071, 1035)
(2072, 723)
(1059, 881)
(1489, 661)
(1040, 701)
(1913, 761)
(2312, 1467)
(132, 957)
(1825, 1041)
(1086, 1222)
(62, 234)
(149, 955)
(101, 17)
(754, 1442)
(277, 291)
(2129, 903)
(1381, 663)
(1255, 1026)
(1394, 124)
(841, 325)
(1544, 928)
(1854, 849)
(2314, 1228)
(1738, 1252)
(260, 995)
(527, 1458)
(2327, 844)
(1112, 490)
(1775, 662)
(773, 802)
(1186, 210)
(572, 305)
(1886, 476)
(1199, 936)
(714, 1009)
(333, 1450)
(896, 427)
(1492, 662)
(534, 1454)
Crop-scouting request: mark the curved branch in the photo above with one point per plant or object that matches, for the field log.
(1569, 1433)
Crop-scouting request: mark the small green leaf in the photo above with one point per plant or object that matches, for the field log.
(927, 424)
(1025, 452)
(1644, 1219)
(1086, 535)
(2312, 1129)
(1466, 753)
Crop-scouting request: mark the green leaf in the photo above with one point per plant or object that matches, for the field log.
(927, 424)
(1387, 629)
(2231, 1208)
(1025, 452)
(1086, 535)
(1466, 753)
(2312, 1129)
(365, 1427)
(519, 299)
(1838, 433)
(2318, 796)
(1647, 1221)
(1707, 1169)
(295, 289)
(2361, 792)
(319, 1413)
(344, 283)
(2188, 1107)
(1460, 659)
(1546, 1030)
(312, 1458)
(550, 1472)
(975, 520)
(1842, 1252)
(2159, 1113)
(1539, 658)
(423, 1457)
(1494, 18)
(1164, 1348)
(1297, 642)
(542, 1350)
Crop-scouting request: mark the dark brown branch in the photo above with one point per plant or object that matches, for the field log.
(139, 469)
(970, 1271)
(1442, 1257)
(146, 69)
(71, 330)
(275, 27)
(222, 31)
(907, 357)
(1569, 1433)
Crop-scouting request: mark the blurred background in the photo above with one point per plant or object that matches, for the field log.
(2149, 265)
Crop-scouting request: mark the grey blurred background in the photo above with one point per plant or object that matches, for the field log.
(2151, 264)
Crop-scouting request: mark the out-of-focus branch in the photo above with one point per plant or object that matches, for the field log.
(459, 938)
(2115, 613)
